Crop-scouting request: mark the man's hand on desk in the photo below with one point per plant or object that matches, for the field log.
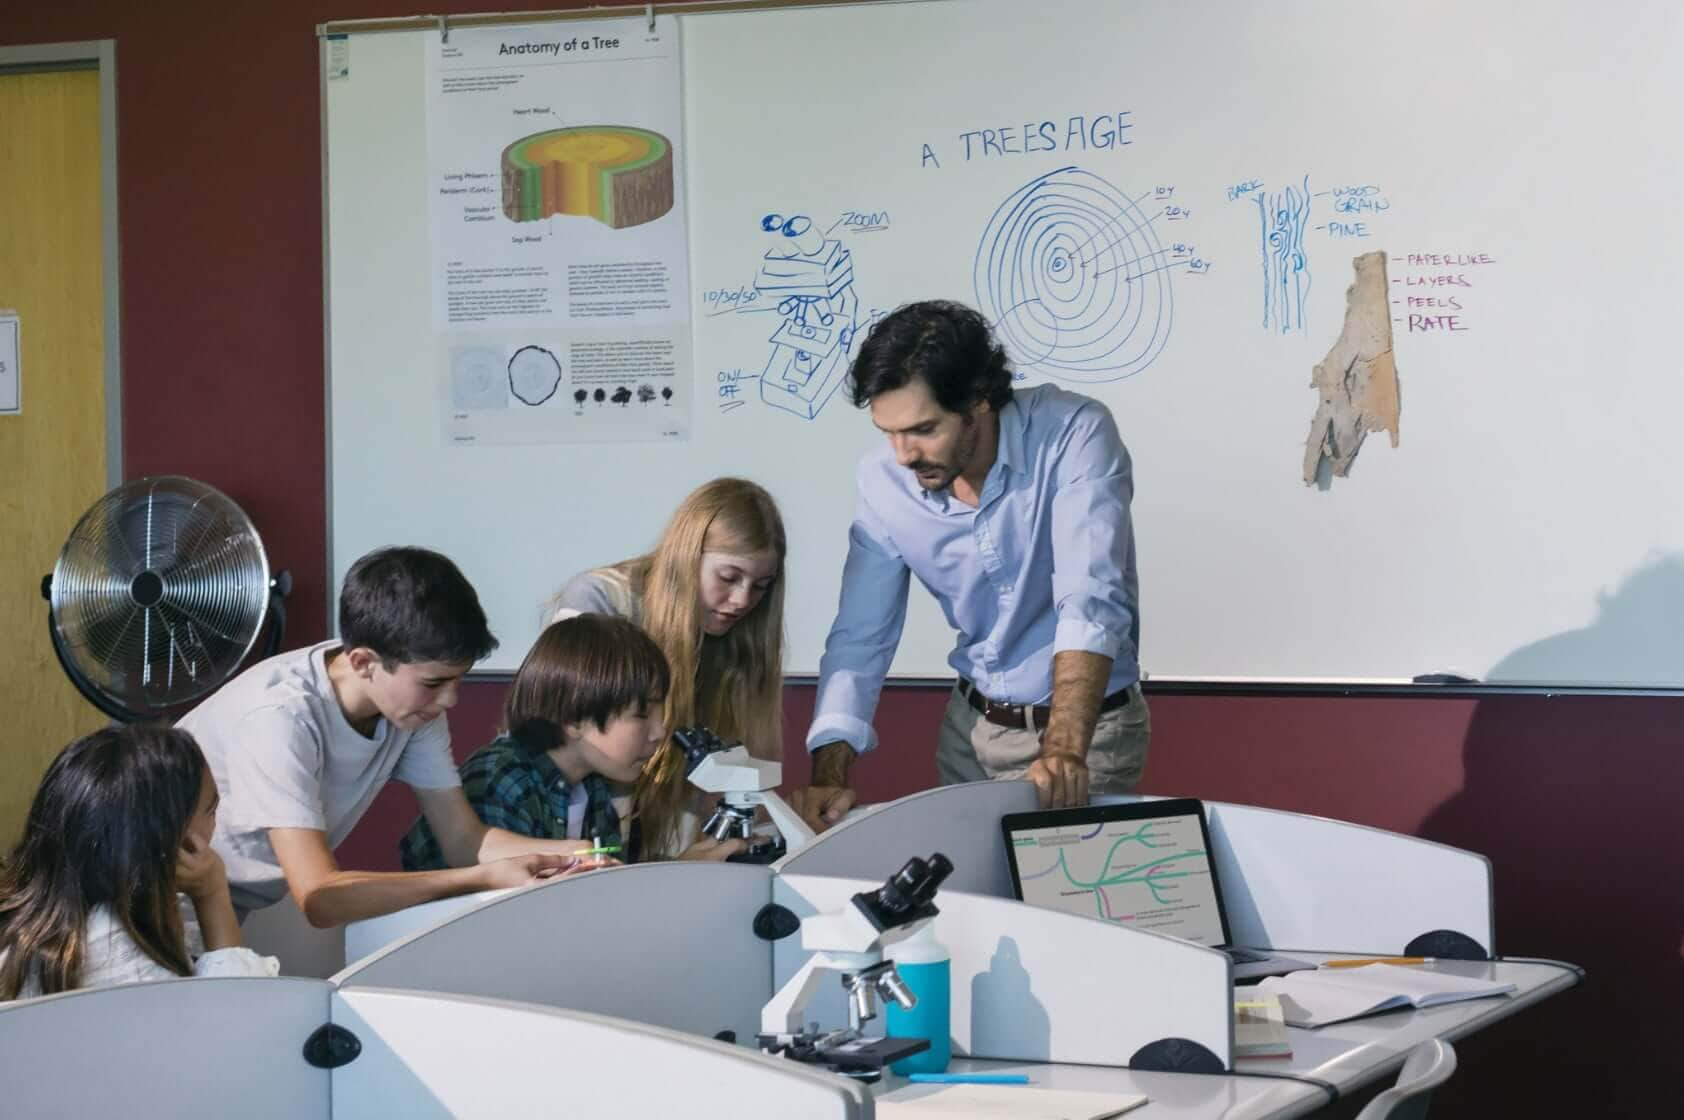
(1061, 779)
(828, 799)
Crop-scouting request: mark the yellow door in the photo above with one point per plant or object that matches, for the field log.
(52, 455)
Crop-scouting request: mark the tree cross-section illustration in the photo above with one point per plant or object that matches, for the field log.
(619, 176)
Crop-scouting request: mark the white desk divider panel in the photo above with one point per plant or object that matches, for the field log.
(282, 931)
(671, 944)
(1291, 881)
(962, 822)
(453, 1056)
(1042, 986)
(184, 1049)
(366, 937)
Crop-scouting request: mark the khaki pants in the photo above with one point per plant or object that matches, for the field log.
(971, 749)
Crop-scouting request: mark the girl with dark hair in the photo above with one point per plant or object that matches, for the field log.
(583, 713)
(121, 823)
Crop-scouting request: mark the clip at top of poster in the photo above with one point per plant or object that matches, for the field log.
(649, 10)
(444, 29)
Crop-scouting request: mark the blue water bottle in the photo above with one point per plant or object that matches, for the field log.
(927, 969)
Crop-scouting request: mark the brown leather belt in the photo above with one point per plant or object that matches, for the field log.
(1017, 716)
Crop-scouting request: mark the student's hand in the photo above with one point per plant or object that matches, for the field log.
(821, 806)
(519, 871)
(199, 873)
(579, 864)
(717, 851)
(1061, 779)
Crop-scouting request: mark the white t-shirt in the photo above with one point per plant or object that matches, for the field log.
(111, 956)
(284, 756)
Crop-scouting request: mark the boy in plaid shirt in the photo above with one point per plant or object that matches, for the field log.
(582, 714)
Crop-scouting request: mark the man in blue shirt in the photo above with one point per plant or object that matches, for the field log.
(1012, 508)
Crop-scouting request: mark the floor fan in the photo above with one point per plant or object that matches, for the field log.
(158, 595)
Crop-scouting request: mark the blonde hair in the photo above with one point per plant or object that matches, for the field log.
(732, 683)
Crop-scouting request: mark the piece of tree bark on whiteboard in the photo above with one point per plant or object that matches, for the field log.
(1357, 381)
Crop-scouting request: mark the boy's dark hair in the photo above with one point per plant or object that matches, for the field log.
(588, 667)
(412, 604)
(945, 345)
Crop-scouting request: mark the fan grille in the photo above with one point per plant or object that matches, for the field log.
(160, 591)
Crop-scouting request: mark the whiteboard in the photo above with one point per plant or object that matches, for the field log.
(1513, 162)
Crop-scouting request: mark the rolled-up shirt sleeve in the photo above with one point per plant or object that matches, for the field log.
(869, 617)
(1093, 539)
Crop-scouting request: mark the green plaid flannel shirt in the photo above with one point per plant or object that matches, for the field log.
(513, 788)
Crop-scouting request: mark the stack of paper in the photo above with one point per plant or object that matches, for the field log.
(1021, 1102)
(1317, 998)
(1259, 1026)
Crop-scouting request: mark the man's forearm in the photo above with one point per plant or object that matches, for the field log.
(831, 763)
(1079, 680)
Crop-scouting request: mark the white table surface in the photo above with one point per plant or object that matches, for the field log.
(1350, 1056)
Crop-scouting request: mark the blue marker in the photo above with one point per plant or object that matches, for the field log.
(968, 1078)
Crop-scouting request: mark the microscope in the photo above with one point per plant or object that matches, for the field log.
(812, 280)
(746, 784)
(850, 941)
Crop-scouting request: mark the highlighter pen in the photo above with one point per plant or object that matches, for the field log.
(968, 1078)
(1360, 961)
(599, 850)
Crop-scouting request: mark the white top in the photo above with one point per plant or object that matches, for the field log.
(284, 756)
(111, 956)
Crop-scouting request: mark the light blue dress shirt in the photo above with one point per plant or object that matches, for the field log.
(1044, 563)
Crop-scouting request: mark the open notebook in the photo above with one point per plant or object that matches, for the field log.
(1021, 1102)
(1325, 995)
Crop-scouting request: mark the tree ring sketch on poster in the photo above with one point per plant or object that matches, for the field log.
(534, 375)
(1072, 276)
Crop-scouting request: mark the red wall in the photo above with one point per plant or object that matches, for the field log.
(1573, 799)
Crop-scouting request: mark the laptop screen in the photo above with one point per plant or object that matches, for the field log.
(1145, 864)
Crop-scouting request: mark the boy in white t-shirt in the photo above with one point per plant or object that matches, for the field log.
(300, 744)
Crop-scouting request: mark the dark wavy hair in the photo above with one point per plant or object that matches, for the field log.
(945, 345)
(588, 668)
(412, 604)
(105, 827)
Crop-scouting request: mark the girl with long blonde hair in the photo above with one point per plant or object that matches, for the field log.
(711, 594)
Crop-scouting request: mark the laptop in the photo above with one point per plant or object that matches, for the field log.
(1146, 865)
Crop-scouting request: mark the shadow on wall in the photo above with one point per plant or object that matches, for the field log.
(1578, 801)
(1636, 639)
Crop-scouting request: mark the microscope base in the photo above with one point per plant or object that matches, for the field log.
(860, 1058)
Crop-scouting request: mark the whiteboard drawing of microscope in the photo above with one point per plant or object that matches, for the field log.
(811, 280)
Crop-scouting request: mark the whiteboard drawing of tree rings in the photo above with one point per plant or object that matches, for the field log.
(534, 375)
(1074, 280)
(476, 378)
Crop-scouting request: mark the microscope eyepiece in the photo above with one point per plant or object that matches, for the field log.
(696, 743)
(912, 887)
(940, 868)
